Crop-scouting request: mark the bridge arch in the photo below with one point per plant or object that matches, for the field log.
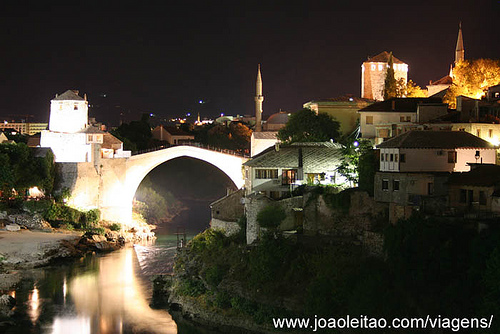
(116, 197)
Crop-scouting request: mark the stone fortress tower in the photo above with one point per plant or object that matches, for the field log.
(373, 72)
(69, 112)
(259, 98)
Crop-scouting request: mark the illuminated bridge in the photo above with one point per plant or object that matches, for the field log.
(111, 186)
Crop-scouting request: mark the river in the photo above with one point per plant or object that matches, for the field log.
(108, 293)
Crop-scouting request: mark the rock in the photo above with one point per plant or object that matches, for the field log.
(6, 304)
(3, 215)
(12, 227)
(98, 238)
(32, 222)
(8, 301)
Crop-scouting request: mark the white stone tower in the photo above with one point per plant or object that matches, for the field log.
(373, 72)
(259, 98)
(69, 113)
(459, 50)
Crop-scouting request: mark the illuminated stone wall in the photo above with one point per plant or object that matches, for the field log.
(373, 78)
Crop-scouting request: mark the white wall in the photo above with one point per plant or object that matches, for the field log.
(64, 117)
(259, 145)
(67, 147)
(391, 117)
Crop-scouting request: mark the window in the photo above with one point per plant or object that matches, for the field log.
(391, 157)
(373, 67)
(266, 173)
(396, 157)
(463, 196)
(478, 132)
(385, 185)
(490, 133)
(452, 157)
(383, 133)
(89, 138)
(401, 118)
(408, 118)
(382, 157)
(369, 119)
(395, 185)
(289, 176)
(402, 157)
(387, 157)
(482, 198)
(430, 188)
(75, 107)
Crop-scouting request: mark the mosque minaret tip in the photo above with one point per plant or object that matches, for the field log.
(459, 51)
(259, 98)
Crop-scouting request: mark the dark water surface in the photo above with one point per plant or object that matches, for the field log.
(99, 294)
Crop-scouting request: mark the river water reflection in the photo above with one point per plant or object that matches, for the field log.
(98, 294)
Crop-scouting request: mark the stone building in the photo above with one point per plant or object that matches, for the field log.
(70, 136)
(344, 109)
(171, 135)
(373, 72)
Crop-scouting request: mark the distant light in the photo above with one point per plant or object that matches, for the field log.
(351, 99)
(356, 143)
(5, 122)
(200, 101)
(151, 115)
(221, 114)
(188, 114)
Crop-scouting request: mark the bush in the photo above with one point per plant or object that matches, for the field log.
(192, 288)
(115, 227)
(214, 274)
(96, 230)
(66, 226)
(209, 240)
(271, 216)
(222, 300)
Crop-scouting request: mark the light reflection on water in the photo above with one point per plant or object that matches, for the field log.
(112, 300)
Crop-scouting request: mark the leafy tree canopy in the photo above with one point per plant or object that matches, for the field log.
(409, 89)
(135, 135)
(306, 126)
(471, 78)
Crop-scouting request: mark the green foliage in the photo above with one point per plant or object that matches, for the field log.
(92, 216)
(235, 136)
(37, 206)
(21, 170)
(210, 240)
(95, 230)
(153, 206)
(222, 300)
(115, 227)
(390, 81)
(352, 163)
(66, 226)
(306, 126)
(214, 274)
(135, 135)
(191, 287)
(271, 216)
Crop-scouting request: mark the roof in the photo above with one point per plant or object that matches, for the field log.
(278, 118)
(316, 157)
(344, 98)
(91, 129)
(400, 104)
(109, 141)
(446, 80)
(383, 57)
(265, 135)
(175, 131)
(69, 95)
(485, 175)
(436, 139)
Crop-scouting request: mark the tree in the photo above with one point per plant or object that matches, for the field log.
(307, 126)
(409, 89)
(471, 78)
(358, 163)
(135, 135)
(390, 80)
(271, 216)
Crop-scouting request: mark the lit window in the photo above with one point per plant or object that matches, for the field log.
(369, 119)
(396, 157)
(380, 67)
(373, 67)
(289, 176)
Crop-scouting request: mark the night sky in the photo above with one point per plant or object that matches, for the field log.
(165, 58)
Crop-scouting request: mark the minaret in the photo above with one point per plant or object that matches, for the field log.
(259, 98)
(459, 51)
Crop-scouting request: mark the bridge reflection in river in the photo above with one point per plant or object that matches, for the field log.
(112, 300)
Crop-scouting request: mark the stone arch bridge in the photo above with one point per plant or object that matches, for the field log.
(110, 184)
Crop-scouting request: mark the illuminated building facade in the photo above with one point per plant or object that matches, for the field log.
(373, 72)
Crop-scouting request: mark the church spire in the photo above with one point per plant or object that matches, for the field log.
(459, 51)
(259, 98)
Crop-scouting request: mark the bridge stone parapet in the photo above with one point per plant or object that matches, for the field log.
(111, 186)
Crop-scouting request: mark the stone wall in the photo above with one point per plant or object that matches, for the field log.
(229, 208)
(253, 204)
(229, 228)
